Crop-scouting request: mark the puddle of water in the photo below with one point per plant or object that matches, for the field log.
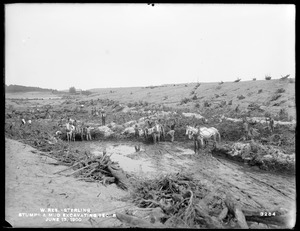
(119, 154)
(141, 165)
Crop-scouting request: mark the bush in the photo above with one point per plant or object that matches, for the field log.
(230, 102)
(194, 97)
(218, 87)
(280, 90)
(72, 90)
(291, 81)
(198, 85)
(275, 97)
(197, 105)
(283, 115)
(192, 92)
(241, 97)
(206, 104)
(259, 91)
(184, 101)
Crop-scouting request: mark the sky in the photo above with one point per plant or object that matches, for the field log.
(90, 46)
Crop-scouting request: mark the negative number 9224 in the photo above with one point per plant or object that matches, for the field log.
(267, 214)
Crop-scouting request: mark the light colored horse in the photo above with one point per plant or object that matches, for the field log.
(198, 140)
(70, 129)
(155, 132)
(202, 134)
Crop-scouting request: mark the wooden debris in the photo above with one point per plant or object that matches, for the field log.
(235, 209)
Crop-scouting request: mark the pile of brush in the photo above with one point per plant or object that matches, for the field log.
(93, 168)
(177, 196)
(180, 201)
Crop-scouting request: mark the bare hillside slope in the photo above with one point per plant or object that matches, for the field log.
(271, 96)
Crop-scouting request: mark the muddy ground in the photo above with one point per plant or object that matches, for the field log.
(31, 182)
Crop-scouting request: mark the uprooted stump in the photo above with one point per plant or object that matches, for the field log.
(188, 203)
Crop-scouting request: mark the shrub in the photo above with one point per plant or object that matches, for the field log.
(267, 114)
(184, 101)
(230, 102)
(240, 97)
(197, 105)
(275, 97)
(218, 87)
(280, 90)
(72, 90)
(206, 104)
(217, 96)
(192, 92)
(283, 115)
(291, 81)
(259, 91)
(198, 85)
(194, 97)
(268, 77)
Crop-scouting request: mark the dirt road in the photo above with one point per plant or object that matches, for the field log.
(31, 183)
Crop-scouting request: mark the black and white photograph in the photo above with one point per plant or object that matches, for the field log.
(150, 115)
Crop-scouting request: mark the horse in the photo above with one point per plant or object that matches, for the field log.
(70, 132)
(155, 132)
(198, 140)
(202, 135)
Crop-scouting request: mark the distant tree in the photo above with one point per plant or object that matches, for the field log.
(72, 90)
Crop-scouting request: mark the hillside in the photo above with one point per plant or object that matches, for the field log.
(271, 96)
(19, 88)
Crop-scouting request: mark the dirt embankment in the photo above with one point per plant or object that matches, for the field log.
(31, 185)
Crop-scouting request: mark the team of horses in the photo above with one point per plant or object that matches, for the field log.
(200, 135)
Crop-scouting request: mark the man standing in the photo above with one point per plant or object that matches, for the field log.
(103, 116)
(245, 128)
(271, 124)
(172, 131)
(136, 131)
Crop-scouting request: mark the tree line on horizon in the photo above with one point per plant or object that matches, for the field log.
(20, 88)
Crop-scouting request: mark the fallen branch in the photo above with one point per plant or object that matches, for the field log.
(211, 222)
(234, 208)
(78, 170)
(120, 176)
(67, 168)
